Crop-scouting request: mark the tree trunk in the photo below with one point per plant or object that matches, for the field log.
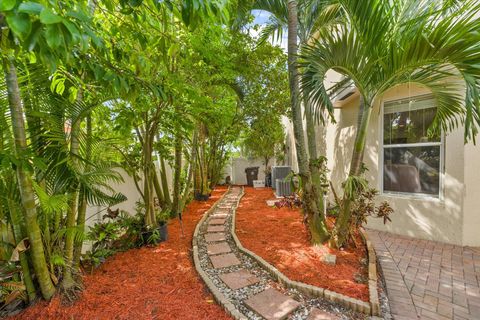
(178, 172)
(27, 193)
(19, 236)
(68, 281)
(343, 221)
(148, 186)
(318, 230)
(186, 190)
(193, 161)
(313, 161)
(82, 208)
(158, 189)
(165, 189)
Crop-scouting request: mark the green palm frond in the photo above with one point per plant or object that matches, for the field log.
(273, 29)
(318, 17)
(278, 8)
(382, 44)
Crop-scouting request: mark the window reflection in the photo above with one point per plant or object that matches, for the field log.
(412, 169)
(412, 154)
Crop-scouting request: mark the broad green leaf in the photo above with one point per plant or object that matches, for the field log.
(30, 7)
(20, 24)
(79, 15)
(48, 17)
(32, 39)
(135, 3)
(7, 5)
(53, 36)
(172, 51)
(76, 36)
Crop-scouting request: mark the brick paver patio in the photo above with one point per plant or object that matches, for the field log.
(427, 279)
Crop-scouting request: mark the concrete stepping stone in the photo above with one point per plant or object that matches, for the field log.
(317, 314)
(272, 304)
(215, 237)
(239, 279)
(219, 215)
(224, 261)
(218, 248)
(217, 221)
(216, 228)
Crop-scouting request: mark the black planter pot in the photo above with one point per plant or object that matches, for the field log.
(163, 232)
(146, 236)
(201, 197)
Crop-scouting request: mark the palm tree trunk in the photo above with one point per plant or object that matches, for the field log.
(19, 236)
(343, 222)
(68, 281)
(313, 160)
(318, 230)
(27, 193)
(82, 208)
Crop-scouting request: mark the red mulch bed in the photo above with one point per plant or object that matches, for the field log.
(147, 283)
(279, 236)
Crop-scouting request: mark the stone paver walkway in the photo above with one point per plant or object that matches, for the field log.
(249, 288)
(428, 280)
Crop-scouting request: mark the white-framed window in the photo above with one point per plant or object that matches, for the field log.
(412, 159)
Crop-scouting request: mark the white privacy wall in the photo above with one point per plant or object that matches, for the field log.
(239, 165)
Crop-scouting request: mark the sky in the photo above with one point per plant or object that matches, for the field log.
(261, 18)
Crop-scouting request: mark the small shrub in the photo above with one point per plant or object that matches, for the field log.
(291, 202)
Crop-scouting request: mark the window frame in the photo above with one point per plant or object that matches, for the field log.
(382, 146)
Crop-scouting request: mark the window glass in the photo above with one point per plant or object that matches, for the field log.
(408, 122)
(412, 170)
(411, 157)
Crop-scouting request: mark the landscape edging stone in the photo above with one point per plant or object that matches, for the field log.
(372, 275)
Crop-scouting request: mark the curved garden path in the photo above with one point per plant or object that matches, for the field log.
(239, 283)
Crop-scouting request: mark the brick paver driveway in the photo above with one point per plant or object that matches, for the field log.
(427, 279)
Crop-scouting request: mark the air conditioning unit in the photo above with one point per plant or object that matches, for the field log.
(279, 172)
(282, 188)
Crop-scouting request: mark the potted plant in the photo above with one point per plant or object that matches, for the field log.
(159, 233)
(162, 219)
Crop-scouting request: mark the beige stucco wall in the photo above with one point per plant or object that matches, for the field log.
(471, 200)
(454, 218)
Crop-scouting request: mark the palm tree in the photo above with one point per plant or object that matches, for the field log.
(24, 178)
(302, 19)
(382, 44)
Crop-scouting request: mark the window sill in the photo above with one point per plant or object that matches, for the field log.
(420, 197)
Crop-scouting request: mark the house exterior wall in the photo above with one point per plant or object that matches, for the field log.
(452, 218)
(471, 200)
